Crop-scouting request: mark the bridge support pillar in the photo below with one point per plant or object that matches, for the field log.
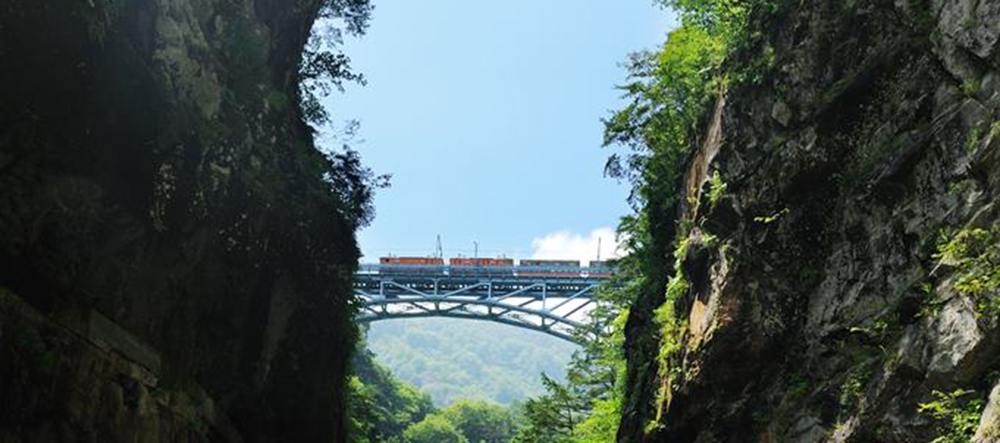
(545, 294)
(489, 296)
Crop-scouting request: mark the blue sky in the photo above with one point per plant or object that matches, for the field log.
(487, 114)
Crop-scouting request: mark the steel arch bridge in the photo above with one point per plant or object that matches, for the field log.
(552, 304)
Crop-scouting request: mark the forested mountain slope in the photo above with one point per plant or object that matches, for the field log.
(384, 409)
(461, 359)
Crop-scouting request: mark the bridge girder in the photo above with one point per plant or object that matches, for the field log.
(539, 303)
(568, 336)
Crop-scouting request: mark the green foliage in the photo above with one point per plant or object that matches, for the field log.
(669, 91)
(353, 184)
(717, 189)
(453, 359)
(606, 365)
(768, 219)
(975, 254)
(381, 407)
(324, 66)
(957, 418)
(671, 88)
(551, 418)
(975, 136)
(434, 429)
(716, 16)
(970, 87)
(360, 404)
(800, 387)
(671, 329)
(480, 421)
(742, 27)
(598, 374)
(853, 388)
(730, 19)
(601, 426)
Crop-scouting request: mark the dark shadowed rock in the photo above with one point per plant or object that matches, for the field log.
(157, 176)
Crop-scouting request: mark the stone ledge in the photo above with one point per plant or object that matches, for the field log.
(107, 334)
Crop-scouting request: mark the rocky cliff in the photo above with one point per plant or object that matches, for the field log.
(174, 259)
(837, 242)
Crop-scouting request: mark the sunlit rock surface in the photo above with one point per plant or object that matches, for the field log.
(821, 310)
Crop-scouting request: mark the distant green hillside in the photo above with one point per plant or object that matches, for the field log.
(454, 359)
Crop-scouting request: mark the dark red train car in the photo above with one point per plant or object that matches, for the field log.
(411, 265)
(600, 269)
(481, 266)
(411, 261)
(461, 261)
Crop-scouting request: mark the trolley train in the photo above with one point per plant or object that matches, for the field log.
(479, 267)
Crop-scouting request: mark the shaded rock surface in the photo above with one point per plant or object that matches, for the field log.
(989, 427)
(156, 173)
(823, 312)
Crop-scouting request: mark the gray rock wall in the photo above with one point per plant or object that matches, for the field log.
(823, 311)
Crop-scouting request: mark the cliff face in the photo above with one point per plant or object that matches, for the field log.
(176, 268)
(844, 262)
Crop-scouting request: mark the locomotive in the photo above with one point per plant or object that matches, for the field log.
(418, 265)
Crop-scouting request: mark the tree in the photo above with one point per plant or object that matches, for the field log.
(434, 429)
(668, 92)
(551, 418)
(481, 421)
(601, 426)
(380, 406)
(324, 66)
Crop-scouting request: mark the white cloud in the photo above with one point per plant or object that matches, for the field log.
(574, 246)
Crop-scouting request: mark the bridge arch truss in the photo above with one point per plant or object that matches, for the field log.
(552, 305)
